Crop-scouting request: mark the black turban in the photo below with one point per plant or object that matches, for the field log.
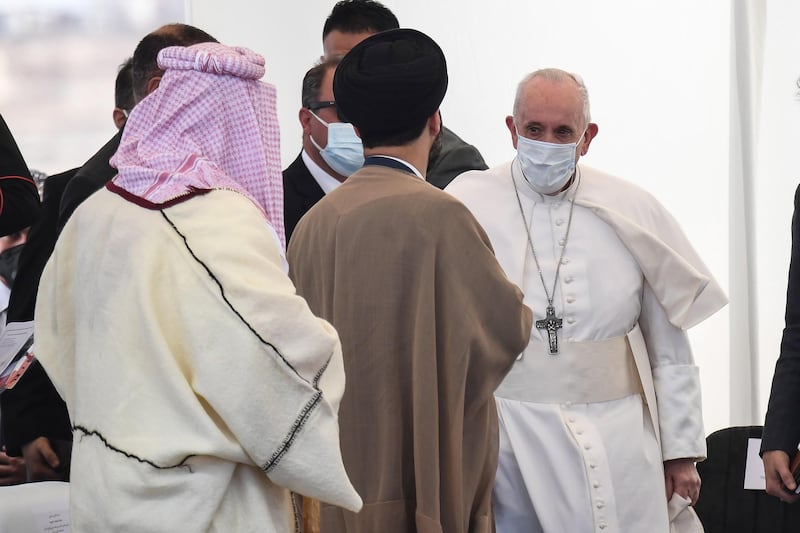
(390, 82)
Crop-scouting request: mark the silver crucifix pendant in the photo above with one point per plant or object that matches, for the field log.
(551, 324)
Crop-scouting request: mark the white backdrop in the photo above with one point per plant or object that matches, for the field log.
(776, 176)
(660, 77)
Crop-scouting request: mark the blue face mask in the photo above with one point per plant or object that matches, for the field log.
(547, 167)
(344, 152)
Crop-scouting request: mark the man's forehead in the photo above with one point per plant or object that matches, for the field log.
(544, 99)
(339, 43)
(548, 88)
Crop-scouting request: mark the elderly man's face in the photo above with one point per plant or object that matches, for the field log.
(552, 112)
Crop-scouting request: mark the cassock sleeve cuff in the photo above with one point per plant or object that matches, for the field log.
(680, 411)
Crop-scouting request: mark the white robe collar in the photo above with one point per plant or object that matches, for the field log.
(679, 278)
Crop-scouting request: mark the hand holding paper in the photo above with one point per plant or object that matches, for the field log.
(780, 481)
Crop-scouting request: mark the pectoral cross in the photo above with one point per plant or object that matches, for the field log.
(551, 324)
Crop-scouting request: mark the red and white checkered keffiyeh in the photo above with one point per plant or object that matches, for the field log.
(211, 124)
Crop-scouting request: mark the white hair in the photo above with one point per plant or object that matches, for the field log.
(556, 75)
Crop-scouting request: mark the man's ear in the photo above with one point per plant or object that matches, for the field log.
(119, 117)
(152, 84)
(591, 133)
(304, 115)
(435, 123)
(512, 129)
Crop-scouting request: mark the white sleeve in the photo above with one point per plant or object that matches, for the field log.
(281, 398)
(676, 380)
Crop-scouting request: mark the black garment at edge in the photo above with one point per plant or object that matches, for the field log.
(33, 408)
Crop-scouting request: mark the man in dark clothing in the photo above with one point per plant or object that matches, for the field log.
(352, 21)
(331, 152)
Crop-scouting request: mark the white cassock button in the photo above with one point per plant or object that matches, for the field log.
(571, 320)
(570, 299)
(564, 260)
(587, 446)
(603, 525)
(596, 485)
(562, 242)
(579, 431)
(572, 420)
(559, 221)
(568, 279)
(592, 465)
(600, 504)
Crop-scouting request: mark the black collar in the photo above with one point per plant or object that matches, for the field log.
(385, 161)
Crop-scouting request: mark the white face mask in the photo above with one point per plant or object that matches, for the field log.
(344, 152)
(547, 167)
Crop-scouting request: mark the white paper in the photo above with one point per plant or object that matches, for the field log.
(41, 507)
(53, 521)
(754, 478)
(12, 340)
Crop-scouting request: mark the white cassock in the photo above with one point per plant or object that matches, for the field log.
(579, 451)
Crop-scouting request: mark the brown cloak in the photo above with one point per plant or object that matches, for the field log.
(429, 325)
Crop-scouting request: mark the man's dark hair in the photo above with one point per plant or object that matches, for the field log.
(312, 81)
(145, 65)
(123, 86)
(392, 138)
(358, 16)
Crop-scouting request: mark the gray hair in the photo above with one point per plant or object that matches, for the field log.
(556, 75)
(312, 81)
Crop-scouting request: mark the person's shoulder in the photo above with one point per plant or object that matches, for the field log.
(455, 146)
(601, 189)
(595, 182)
(369, 189)
(479, 182)
(297, 166)
(215, 216)
(454, 157)
(98, 166)
(208, 204)
(88, 179)
(58, 181)
(446, 212)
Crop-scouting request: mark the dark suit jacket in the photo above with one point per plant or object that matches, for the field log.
(782, 425)
(91, 177)
(33, 408)
(46, 415)
(452, 157)
(300, 192)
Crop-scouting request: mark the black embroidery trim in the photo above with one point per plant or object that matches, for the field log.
(296, 427)
(322, 370)
(300, 421)
(222, 292)
(92, 433)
